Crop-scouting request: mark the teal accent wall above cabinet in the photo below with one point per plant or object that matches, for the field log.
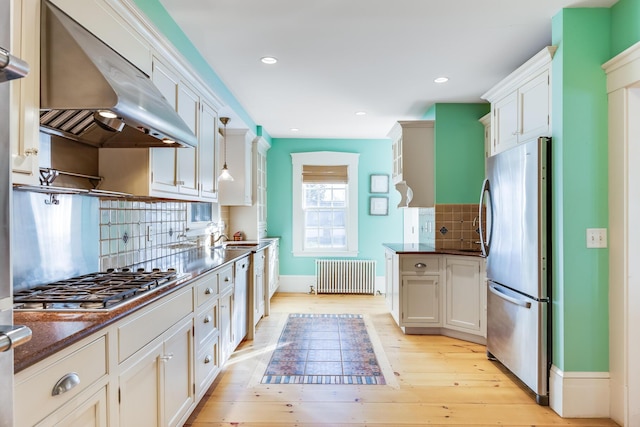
(459, 146)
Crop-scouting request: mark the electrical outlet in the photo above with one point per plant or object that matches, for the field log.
(596, 237)
(149, 233)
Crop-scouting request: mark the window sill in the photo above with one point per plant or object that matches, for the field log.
(331, 254)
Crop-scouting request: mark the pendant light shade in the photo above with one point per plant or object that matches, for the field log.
(224, 174)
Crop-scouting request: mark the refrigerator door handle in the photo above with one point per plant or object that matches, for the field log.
(484, 244)
(13, 336)
(494, 290)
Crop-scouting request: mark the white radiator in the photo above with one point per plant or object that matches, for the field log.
(345, 276)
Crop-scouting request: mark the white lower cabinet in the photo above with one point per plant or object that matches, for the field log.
(437, 294)
(48, 392)
(156, 386)
(420, 300)
(258, 286)
(465, 298)
(148, 369)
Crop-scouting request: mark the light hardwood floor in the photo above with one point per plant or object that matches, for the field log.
(438, 381)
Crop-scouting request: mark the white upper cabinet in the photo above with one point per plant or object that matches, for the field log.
(208, 153)
(238, 158)
(25, 94)
(521, 103)
(413, 174)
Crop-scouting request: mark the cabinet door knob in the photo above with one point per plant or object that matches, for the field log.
(65, 384)
(166, 357)
(208, 291)
(420, 265)
(31, 152)
(207, 319)
(208, 358)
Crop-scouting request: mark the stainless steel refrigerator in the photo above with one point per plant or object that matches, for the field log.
(515, 220)
(10, 335)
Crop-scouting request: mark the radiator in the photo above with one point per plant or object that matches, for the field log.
(345, 276)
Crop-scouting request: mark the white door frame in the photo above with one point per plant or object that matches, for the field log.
(623, 87)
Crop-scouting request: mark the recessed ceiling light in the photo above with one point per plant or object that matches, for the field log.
(441, 80)
(269, 60)
(294, 129)
(361, 113)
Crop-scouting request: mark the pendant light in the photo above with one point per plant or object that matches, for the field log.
(225, 175)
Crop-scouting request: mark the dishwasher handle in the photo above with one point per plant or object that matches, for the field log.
(13, 336)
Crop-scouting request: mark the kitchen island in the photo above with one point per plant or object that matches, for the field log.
(436, 291)
(148, 361)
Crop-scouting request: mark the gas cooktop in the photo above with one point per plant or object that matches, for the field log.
(100, 291)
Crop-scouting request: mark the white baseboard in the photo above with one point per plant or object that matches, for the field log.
(579, 394)
(298, 284)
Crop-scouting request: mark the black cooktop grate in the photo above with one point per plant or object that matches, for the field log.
(101, 290)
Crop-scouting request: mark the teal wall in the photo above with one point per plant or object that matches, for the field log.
(579, 156)
(154, 10)
(459, 138)
(625, 18)
(375, 157)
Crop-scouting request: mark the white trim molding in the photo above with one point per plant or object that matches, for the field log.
(579, 394)
(325, 158)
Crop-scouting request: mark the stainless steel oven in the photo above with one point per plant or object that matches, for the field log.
(10, 68)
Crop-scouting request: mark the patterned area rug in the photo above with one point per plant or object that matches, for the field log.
(324, 349)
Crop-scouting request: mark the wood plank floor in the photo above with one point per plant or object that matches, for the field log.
(437, 381)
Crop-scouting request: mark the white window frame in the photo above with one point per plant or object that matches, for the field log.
(325, 158)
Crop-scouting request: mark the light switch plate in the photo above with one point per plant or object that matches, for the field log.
(596, 237)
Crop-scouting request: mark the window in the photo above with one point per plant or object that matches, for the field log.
(325, 204)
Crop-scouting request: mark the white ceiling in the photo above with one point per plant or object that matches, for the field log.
(337, 57)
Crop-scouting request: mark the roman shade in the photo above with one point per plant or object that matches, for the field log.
(336, 174)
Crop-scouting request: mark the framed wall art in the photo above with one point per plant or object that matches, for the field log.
(379, 183)
(378, 205)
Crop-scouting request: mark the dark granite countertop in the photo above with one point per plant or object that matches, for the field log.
(53, 331)
(421, 248)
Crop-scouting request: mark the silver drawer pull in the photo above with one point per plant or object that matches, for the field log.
(421, 265)
(65, 384)
(208, 291)
(208, 319)
(166, 357)
(208, 358)
(227, 279)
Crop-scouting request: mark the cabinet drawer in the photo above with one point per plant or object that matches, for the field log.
(143, 328)
(207, 289)
(420, 264)
(225, 278)
(34, 397)
(207, 364)
(206, 323)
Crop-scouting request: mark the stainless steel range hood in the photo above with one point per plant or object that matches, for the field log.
(81, 77)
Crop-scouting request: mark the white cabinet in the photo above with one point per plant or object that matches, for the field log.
(25, 93)
(251, 217)
(465, 299)
(179, 173)
(226, 333)
(432, 293)
(49, 391)
(208, 153)
(420, 290)
(238, 146)
(241, 302)
(258, 286)
(414, 162)
(521, 103)
(273, 268)
(156, 385)
(486, 122)
(156, 370)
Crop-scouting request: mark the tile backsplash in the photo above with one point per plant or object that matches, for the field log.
(457, 226)
(137, 231)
